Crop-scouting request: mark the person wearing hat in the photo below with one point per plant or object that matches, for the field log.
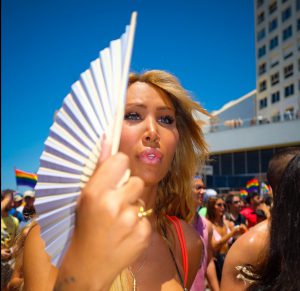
(18, 199)
(29, 209)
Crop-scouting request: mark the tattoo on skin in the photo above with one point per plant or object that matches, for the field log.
(60, 284)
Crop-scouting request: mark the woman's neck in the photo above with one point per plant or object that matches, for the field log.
(149, 196)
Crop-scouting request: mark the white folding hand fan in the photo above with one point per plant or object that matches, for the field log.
(95, 106)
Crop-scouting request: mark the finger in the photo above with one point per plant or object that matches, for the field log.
(105, 149)
(132, 190)
(108, 175)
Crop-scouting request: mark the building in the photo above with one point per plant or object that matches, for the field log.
(277, 30)
(245, 133)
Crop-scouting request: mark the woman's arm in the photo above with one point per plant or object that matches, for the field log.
(108, 235)
(39, 273)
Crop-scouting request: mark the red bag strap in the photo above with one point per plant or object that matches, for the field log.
(177, 224)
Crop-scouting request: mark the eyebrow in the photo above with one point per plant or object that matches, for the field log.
(160, 108)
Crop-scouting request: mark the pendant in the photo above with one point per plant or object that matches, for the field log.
(134, 284)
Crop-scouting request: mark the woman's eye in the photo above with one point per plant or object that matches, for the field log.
(132, 116)
(167, 119)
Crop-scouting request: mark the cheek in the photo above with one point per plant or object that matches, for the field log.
(127, 140)
(170, 141)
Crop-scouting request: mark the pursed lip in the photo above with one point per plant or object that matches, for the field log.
(150, 156)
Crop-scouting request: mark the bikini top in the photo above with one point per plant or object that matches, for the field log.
(178, 228)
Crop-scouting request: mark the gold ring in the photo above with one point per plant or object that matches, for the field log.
(142, 213)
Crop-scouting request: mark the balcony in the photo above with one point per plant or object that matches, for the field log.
(235, 135)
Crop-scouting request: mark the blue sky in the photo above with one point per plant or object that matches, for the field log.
(208, 45)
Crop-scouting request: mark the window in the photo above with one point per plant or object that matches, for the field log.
(298, 24)
(299, 65)
(274, 64)
(273, 25)
(263, 103)
(288, 55)
(273, 42)
(287, 33)
(275, 79)
(262, 69)
(275, 97)
(286, 14)
(261, 51)
(272, 7)
(276, 117)
(252, 161)
(215, 162)
(265, 157)
(289, 90)
(288, 114)
(298, 5)
(260, 17)
(226, 164)
(261, 34)
(259, 3)
(239, 163)
(262, 86)
(288, 71)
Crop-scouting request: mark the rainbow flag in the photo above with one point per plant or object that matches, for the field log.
(252, 185)
(243, 193)
(265, 188)
(25, 179)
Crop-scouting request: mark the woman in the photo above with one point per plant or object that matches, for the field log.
(280, 269)
(224, 231)
(164, 144)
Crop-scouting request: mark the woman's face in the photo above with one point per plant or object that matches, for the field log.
(149, 134)
(220, 207)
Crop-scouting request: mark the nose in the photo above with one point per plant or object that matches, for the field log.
(151, 134)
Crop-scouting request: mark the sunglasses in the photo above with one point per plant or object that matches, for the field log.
(198, 187)
(220, 204)
(236, 202)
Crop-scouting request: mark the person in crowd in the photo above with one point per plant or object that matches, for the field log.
(253, 201)
(162, 142)
(233, 203)
(223, 233)
(18, 200)
(9, 229)
(267, 257)
(261, 215)
(29, 209)
(205, 230)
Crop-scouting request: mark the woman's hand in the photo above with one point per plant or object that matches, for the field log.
(108, 235)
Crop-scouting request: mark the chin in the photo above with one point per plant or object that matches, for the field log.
(150, 176)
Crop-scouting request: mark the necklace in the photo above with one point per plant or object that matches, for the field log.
(133, 274)
(134, 287)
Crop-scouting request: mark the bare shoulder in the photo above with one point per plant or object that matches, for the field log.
(248, 249)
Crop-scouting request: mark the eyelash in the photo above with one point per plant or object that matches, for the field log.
(134, 116)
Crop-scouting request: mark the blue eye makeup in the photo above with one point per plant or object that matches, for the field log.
(166, 119)
(132, 116)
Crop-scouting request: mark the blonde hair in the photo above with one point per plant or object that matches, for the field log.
(174, 191)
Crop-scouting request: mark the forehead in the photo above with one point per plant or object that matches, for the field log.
(198, 181)
(140, 92)
(219, 200)
(235, 198)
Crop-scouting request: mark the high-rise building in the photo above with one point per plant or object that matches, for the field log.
(245, 133)
(277, 39)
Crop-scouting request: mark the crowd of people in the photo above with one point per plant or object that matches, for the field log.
(159, 230)
(17, 212)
